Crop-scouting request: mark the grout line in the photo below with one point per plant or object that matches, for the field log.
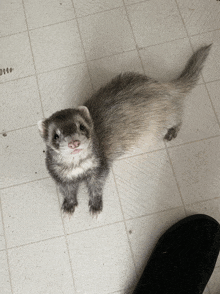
(175, 177)
(67, 244)
(35, 242)
(189, 37)
(12, 80)
(209, 82)
(16, 185)
(168, 147)
(33, 59)
(216, 116)
(138, 51)
(203, 201)
(99, 12)
(13, 34)
(22, 128)
(6, 247)
(153, 213)
(83, 47)
(126, 228)
(52, 24)
(191, 142)
(142, 153)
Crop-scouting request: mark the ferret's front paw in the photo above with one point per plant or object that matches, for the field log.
(95, 206)
(69, 206)
(171, 134)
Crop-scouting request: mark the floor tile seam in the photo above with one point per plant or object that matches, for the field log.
(125, 226)
(213, 107)
(133, 35)
(66, 241)
(168, 147)
(44, 72)
(183, 22)
(13, 34)
(194, 141)
(83, 47)
(24, 183)
(96, 13)
(153, 213)
(201, 201)
(176, 180)
(34, 63)
(190, 41)
(95, 228)
(139, 154)
(126, 5)
(188, 34)
(6, 246)
(97, 59)
(15, 130)
(52, 24)
(14, 247)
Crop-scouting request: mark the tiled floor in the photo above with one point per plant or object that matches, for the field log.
(60, 52)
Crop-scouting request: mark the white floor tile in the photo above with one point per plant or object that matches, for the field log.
(199, 120)
(21, 105)
(64, 88)
(166, 61)
(22, 157)
(105, 69)
(210, 207)
(213, 89)
(214, 282)
(2, 234)
(41, 268)
(101, 259)
(144, 233)
(5, 286)
(200, 15)
(56, 46)
(16, 54)
(31, 213)
(156, 22)
(12, 18)
(196, 166)
(84, 7)
(211, 70)
(46, 12)
(143, 145)
(82, 220)
(106, 33)
(206, 291)
(130, 2)
(146, 184)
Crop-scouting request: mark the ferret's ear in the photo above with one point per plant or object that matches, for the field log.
(42, 128)
(84, 110)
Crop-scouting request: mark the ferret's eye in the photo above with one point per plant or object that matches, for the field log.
(56, 137)
(82, 127)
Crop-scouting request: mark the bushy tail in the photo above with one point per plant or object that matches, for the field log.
(190, 75)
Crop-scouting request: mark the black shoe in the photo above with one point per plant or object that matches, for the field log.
(183, 259)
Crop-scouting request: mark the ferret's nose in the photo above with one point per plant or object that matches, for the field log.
(74, 144)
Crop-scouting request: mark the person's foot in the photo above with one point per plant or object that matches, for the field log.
(183, 259)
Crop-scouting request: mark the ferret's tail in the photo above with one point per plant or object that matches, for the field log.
(190, 75)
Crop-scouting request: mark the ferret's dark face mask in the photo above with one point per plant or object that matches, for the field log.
(68, 132)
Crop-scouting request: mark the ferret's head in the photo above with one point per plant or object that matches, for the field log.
(67, 132)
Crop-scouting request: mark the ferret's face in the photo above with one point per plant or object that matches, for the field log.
(68, 132)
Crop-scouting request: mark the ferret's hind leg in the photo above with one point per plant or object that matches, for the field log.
(172, 132)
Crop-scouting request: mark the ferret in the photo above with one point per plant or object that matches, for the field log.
(82, 143)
